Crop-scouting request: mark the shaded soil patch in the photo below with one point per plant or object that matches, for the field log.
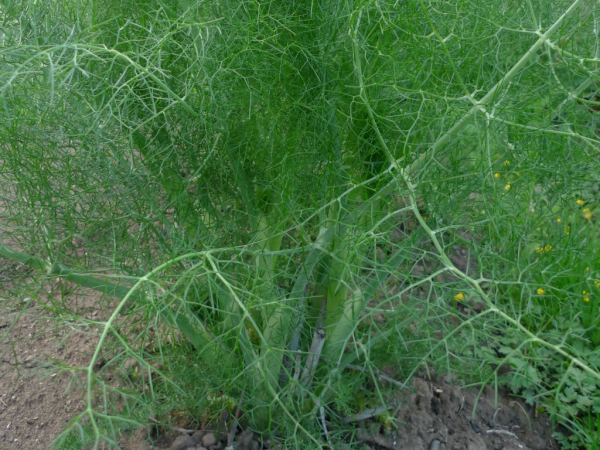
(438, 414)
(433, 415)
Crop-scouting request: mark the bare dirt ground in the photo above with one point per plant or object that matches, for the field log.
(36, 402)
(438, 414)
(42, 386)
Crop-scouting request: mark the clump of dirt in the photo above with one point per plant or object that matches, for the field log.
(438, 415)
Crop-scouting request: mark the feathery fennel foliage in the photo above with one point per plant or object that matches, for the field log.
(259, 181)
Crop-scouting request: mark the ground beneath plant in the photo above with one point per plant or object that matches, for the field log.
(34, 408)
(439, 414)
(432, 415)
(37, 400)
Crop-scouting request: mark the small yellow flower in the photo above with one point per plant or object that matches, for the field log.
(496, 175)
(567, 231)
(586, 293)
(507, 162)
(539, 228)
(558, 219)
(507, 187)
(460, 296)
(586, 299)
(597, 283)
(580, 202)
(545, 249)
(587, 213)
(540, 291)
(587, 269)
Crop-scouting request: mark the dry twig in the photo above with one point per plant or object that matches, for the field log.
(179, 430)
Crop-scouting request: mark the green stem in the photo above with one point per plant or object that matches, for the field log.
(454, 131)
(59, 270)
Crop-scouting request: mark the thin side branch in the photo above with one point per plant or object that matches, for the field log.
(366, 414)
(382, 376)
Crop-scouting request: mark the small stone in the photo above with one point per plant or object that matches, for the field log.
(209, 439)
(197, 436)
(245, 438)
(183, 442)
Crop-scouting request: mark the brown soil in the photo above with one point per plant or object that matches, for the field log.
(438, 414)
(36, 400)
(433, 415)
(43, 361)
